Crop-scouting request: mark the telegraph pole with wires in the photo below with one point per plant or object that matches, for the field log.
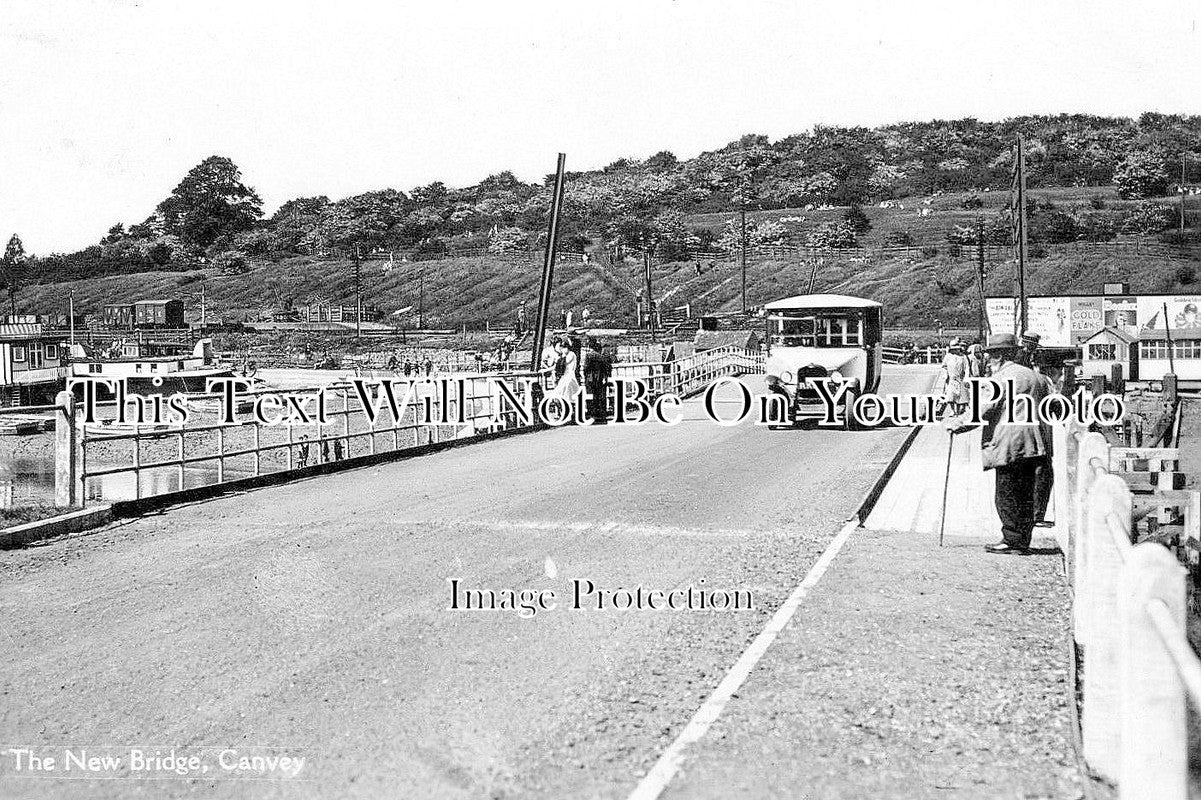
(1018, 193)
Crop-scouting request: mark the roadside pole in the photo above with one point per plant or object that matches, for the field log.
(548, 266)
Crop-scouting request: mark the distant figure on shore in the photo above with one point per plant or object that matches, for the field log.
(1014, 451)
(596, 369)
(429, 366)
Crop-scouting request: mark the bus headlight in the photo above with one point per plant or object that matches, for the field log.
(836, 376)
(786, 376)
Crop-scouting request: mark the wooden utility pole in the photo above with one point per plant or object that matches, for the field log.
(1182, 194)
(358, 294)
(421, 299)
(1019, 190)
(548, 265)
(813, 275)
(742, 241)
(650, 302)
(983, 319)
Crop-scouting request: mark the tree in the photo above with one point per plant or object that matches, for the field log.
(11, 269)
(858, 220)
(115, 234)
(1141, 174)
(209, 202)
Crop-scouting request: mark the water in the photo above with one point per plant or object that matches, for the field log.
(28, 479)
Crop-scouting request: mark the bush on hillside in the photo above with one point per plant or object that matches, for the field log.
(898, 239)
(508, 240)
(833, 234)
(428, 249)
(1053, 227)
(1096, 226)
(858, 220)
(1148, 217)
(231, 262)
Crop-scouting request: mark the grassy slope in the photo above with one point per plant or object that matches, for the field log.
(476, 289)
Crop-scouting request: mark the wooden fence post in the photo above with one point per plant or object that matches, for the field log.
(66, 489)
(1062, 494)
(1154, 734)
(1092, 445)
(1101, 720)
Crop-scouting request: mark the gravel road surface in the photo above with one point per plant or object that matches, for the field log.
(313, 617)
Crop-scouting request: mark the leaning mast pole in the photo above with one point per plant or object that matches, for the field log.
(548, 265)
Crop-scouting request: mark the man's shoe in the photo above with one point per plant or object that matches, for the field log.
(1006, 549)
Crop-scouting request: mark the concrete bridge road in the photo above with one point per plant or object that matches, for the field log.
(312, 618)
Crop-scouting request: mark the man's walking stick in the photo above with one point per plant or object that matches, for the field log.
(946, 483)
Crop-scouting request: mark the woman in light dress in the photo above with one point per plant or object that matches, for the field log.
(566, 372)
(955, 372)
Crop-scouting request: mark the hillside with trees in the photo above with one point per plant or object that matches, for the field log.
(928, 186)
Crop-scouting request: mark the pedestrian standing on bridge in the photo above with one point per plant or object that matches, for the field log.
(1029, 350)
(955, 372)
(1012, 450)
(597, 369)
(976, 365)
(566, 370)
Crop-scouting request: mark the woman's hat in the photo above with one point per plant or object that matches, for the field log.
(1001, 341)
(955, 344)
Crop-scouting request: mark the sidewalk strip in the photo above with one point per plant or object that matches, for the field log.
(672, 759)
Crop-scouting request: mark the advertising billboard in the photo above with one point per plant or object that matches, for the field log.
(1121, 313)
(1182, 312)
(1087, 317)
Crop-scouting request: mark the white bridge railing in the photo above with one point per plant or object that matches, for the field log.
(108, 460)
(1128, 617)
(131, 461)
(694, 373)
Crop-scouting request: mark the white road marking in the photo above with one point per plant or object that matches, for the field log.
(669, 763)
(598, 526)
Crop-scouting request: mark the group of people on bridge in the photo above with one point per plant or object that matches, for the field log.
(580, 364)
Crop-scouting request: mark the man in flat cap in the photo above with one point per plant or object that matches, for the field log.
(1028, 349)
(1013, 450)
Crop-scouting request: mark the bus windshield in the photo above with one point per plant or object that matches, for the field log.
(815, 330)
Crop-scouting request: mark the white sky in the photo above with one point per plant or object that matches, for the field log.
(104, 105)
